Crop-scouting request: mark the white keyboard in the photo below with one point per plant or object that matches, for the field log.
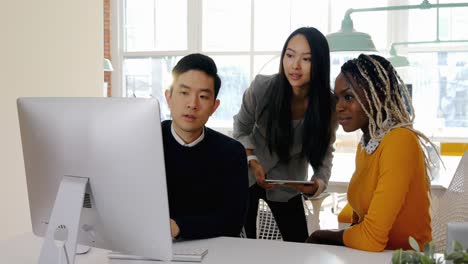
(178, 254)
(188, 254)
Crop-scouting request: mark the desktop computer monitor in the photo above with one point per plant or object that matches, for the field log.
(95, 174)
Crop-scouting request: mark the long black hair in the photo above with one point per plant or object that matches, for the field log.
(317, 120)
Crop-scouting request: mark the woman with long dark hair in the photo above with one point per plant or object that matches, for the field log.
(286, 123)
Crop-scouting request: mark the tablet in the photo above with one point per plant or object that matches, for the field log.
(270, 181)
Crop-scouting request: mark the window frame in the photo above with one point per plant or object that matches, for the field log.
(396, 26)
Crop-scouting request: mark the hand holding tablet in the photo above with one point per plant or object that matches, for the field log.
(305, 187)
(271, 181)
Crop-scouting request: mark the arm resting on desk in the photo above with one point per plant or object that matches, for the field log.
(326, 237)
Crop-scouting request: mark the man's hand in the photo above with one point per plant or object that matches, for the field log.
(308, 189)
(174, 229)
(260, 175)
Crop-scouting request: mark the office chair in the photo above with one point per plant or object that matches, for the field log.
(458, 232)
(267, 228)
(266, 223)
(453, 205)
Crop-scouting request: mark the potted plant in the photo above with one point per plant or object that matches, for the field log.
(429, 256)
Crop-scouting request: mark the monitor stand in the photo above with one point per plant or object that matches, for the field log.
(82, 249)
(65, 221)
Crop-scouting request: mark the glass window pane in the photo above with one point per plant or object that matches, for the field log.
(309, 13)
(171, 25)
(150, 25)
(425, 89)
(234, 73)
(137, 77)
(226, 25)
(139, 25)
(271, 17)
(150, 77)
(283, 17)
(422, 24)
(266, 64)
(440, 91)
(453, 23)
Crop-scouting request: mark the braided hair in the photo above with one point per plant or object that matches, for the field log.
(387, 98)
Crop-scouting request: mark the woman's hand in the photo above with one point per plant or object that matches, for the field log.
(259, 173)
(326, 237)
(308, 189)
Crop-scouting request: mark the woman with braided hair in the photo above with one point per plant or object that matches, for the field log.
(389, 190)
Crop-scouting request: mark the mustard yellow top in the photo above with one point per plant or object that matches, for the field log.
(389, 195)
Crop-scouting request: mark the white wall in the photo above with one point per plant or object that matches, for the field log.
(47, 48)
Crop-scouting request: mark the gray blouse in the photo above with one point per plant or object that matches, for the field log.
(250, 130)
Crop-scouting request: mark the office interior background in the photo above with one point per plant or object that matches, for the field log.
(56, 47)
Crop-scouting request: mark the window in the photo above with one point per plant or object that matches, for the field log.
(237, 35)
(438, 72)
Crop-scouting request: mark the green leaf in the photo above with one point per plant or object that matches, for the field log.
(417, 256)
(396, 256)
(414, 244)
(426, 260)
(429, 249)
(457, 246)
(457, 255)
(450, 256)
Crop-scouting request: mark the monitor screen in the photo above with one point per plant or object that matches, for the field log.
(115, 144)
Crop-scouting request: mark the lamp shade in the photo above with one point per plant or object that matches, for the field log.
(107, 65)
(348, 39)
(398, 61)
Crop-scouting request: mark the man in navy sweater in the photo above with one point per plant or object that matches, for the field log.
(206, 171)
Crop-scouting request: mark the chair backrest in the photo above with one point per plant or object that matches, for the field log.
(458, 232)
(266, 224)
(267, 228)
(453, 205)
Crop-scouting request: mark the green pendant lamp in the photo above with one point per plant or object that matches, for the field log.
(348, 39)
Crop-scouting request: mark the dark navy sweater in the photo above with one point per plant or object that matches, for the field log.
(207, 184)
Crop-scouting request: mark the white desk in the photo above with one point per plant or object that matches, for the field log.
(25, 249)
